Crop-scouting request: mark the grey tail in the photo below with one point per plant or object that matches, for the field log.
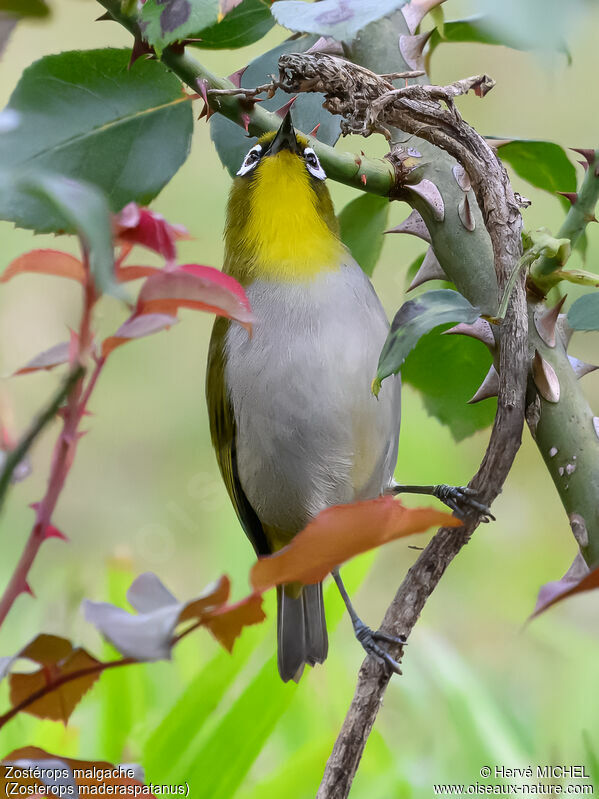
(301, 631)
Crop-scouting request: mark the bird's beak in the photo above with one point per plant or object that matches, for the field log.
(285, 138)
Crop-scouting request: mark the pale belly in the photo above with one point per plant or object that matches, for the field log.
(310, 434)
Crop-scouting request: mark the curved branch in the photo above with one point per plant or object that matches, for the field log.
(417, 110)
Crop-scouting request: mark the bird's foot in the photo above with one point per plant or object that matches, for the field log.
(369, 640)
(461, 499)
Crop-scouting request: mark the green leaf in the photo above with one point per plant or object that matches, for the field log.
(584, 313)
(229, 138)
(219, 767)
(362, 223)
(245, 24)
(542, 163)
(478, 29)
(24, 8)
(414, 319)
(342, 21)
(535, 24)
(447, 370)
(78, 207)
(85, 115)
(169, 742)
(166, 21)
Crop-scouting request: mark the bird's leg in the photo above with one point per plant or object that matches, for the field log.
(367, 637)
(460, 499)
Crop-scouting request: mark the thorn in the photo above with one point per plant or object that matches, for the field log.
(27, 589)
(140, 49)
(314, 130)
(465, 214)
(245, 118)
(357, 160)
(588, 155)
(488, 388)
(432, 196)
(411, 48)
(545, 378)
(202, 85)
(480, 330)
(54, 532)
(581, 368)
(413, 225)
(363, 179)
(282, 111)
(563, 328)
(546, 323)
(461, 177)
(105, 16)
(235, 77)
(584, 165)
(326, 44)
(430, 269)
(569, 195)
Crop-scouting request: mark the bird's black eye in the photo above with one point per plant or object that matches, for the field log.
(251, 160)
(313, 164)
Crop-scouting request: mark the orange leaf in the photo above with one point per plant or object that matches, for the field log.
(57, 704)
(213, 597)
(47, 649)
(46, 262)
(226, 623)
(126, 273)
(577, 580)
(137, 327)
(338, 534)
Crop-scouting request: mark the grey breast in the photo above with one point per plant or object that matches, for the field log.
(310, 433)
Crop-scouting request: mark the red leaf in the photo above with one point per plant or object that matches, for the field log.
(46, 262)
(137, 327)
(340, 533)
(135, 225)
(227, 622)
(55, 356)
(195, 286)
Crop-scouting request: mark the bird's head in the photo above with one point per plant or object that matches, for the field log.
(280, 217)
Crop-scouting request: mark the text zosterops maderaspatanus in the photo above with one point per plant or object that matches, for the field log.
(293, 420)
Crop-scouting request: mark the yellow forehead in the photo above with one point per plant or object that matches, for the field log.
(267, 138)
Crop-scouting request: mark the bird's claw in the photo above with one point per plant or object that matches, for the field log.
(368, 638)
(461, 499)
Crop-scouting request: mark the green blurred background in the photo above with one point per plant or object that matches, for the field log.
(480, 686)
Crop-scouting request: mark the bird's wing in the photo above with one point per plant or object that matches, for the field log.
(223, 432)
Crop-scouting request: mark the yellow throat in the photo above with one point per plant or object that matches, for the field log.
(281, 224)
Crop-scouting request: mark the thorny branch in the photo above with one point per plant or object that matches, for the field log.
(368, 104)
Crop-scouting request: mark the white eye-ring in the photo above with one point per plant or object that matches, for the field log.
(313, 164)
(251, 160)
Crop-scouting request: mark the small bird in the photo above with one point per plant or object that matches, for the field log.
(293, 420)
